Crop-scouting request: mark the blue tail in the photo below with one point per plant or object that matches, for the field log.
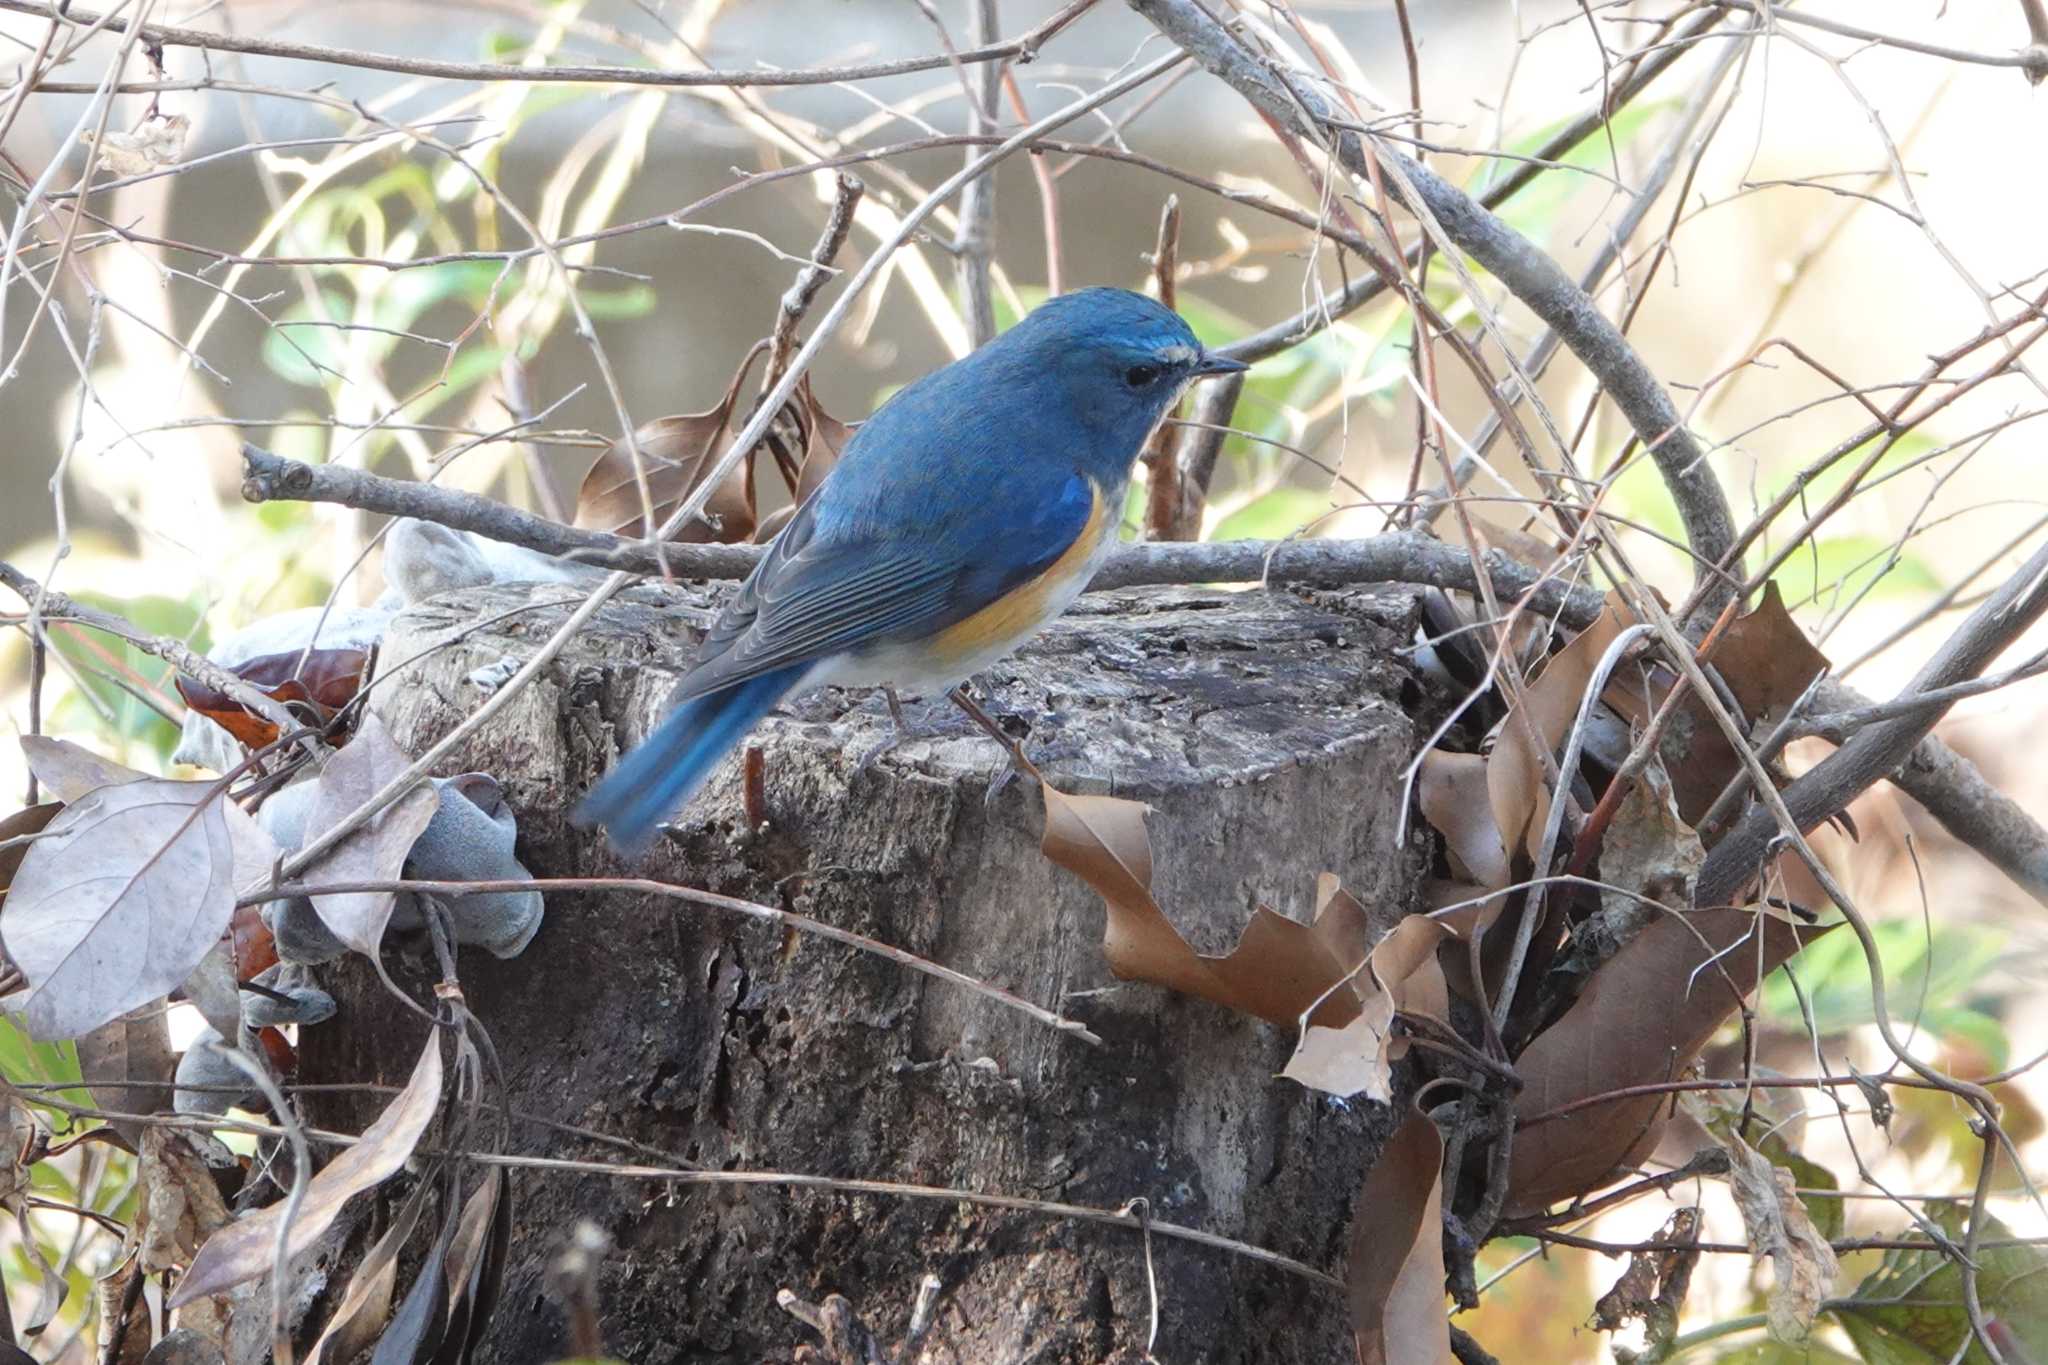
(651, 782)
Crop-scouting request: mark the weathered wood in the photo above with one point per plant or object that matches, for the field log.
(1268, 731)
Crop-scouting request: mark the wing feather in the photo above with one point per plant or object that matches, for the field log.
(817, 594)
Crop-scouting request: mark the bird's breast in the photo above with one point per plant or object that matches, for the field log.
(975, 641)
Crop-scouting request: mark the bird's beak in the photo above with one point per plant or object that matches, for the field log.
(1218, 364)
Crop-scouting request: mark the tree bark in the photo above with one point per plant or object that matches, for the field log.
(1268, 730)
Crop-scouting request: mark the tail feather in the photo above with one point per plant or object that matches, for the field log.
(654, 780)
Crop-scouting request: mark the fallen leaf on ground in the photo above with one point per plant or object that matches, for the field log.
(122, 896)
(374, 852)
(1280, 968)
(1394, 1276)
(245, 1249)
(1401, 975)
(1642, 1019)
(1803, 1265)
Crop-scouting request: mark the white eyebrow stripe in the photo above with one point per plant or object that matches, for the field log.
(1180, 353)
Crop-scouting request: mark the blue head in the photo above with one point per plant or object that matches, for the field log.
(1110, 359)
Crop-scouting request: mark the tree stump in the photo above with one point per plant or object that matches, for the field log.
(1268, 730)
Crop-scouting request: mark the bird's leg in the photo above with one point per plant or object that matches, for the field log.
(901, 733)
(997, 733)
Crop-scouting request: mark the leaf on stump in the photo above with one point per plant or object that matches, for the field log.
(1280, 968)
(69, 771)
(245, 1249)
(1394, 1276)
(676, 453)
(1401, 975)
(373, 852)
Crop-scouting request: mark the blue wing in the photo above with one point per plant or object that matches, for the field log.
(901, 566)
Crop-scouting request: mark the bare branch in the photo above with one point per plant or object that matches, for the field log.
(1527, 272)
(1397, 558)
(1022, 49)
(1880, 749)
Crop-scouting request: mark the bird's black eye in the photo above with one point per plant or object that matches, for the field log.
(1141, 376)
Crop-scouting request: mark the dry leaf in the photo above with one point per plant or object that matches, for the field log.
(1279, 969)
(30, 820)
(1647, 850)
(1515, 785)
(70, 771)
(1401, 974)
(476, 1259)
(824, 441)
(245, 1249)
(1652, 1289)
(319, 681)
(158, 142)
(1803, 1265)
(1451, 789)
(676, 452)
(374, 852)
(1644, 1016)
(1766, 659)
(126, 1063)
(1394, 1277)
(122, 896)
(184, 1206)
(367, 1304)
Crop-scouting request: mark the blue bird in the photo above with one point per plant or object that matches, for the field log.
(970, 510)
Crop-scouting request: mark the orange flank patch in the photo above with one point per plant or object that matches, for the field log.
(1030, 604)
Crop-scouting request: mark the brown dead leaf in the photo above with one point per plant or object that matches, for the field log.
(318, 682)
(1394, 1277)
(1279, 969)
(676, 453)
(126, 1063)
(1647, 850)
(1401, 974)
(184, 1206)
(1515, 785)
(1803, 1265)
(1652, 1289)
(1451, 789)
(824, 439)
(24, 823)
(367, 1303)
(1766, 659)
(1644, 1016)
(245, 1249)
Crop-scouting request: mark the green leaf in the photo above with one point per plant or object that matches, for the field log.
(1535, 208)
(632, 301)
(99, 657)
(1273, 516)
(1931, 975)
(1842, 566)
(1909, 1311)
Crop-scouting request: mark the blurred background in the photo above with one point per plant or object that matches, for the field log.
(1870, 204)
